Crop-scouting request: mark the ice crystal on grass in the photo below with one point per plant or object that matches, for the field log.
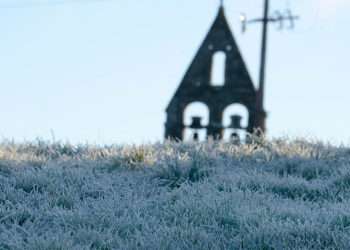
(279, 194)
(173, 173)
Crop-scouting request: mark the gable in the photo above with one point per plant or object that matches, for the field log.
(218, 40)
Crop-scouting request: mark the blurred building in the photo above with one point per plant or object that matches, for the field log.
(219, 80)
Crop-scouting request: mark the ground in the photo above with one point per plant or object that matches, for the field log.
(280, 194)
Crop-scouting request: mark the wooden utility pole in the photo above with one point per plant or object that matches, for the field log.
(265, 20)
(261, 90)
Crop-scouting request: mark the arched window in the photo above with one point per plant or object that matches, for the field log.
(230, 116)
(200, 110)
(218, 69)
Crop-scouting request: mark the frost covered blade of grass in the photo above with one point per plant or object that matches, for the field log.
(268, 195)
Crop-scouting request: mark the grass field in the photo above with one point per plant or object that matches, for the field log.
(277, 194)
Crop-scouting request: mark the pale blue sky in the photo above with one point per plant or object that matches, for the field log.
(104, 71)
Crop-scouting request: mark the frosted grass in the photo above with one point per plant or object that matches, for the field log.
(277, 194)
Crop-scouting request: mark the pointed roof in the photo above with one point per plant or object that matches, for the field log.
(219, 38)
(220, 20)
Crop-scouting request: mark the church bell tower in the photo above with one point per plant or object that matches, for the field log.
(201, 85)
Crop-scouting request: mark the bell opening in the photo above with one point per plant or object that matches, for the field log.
(196, 119)
(235, 122)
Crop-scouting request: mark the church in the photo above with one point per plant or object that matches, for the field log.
(217, 91)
